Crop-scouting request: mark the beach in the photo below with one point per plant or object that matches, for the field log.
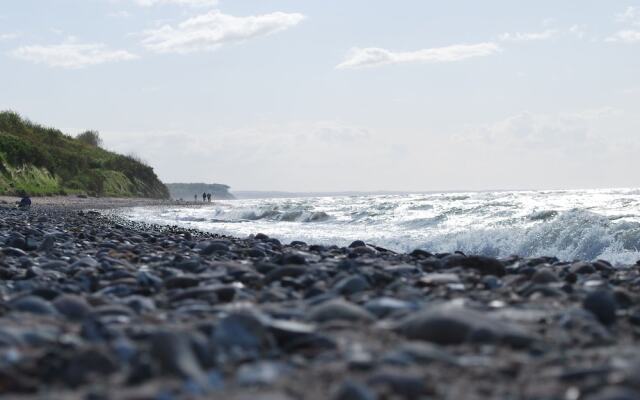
(95, 306)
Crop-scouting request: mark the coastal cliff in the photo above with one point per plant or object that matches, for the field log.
(44, 161)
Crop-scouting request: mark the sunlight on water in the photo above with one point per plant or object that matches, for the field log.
(588, 224)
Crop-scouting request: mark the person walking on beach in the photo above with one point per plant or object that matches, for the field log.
(25, 202)
(209, 197)
(204, 197)
(195, 198)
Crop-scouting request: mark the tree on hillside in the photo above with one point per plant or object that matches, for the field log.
(92, 138)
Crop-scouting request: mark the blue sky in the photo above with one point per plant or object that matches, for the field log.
(339, 95)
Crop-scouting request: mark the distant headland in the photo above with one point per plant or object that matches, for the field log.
(186, 191)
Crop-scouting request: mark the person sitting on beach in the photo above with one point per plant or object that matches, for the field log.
(209, 197)
(25, 202)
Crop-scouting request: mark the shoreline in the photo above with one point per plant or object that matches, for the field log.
(93, 304)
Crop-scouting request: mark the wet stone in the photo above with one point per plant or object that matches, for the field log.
(339, 310)
(602, 304)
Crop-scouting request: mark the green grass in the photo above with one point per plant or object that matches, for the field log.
(45, 161)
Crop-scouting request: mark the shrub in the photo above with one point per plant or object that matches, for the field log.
(92, 138)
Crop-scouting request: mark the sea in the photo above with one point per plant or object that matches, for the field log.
(567, 224)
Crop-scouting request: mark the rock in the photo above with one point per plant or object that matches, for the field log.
(339, 310)
(614, 393)
(32, 304)
(242, 335)
(544, 276)
(181, 281)
(484, 265)
(603, 305)
(582, 268)
(73, 307)
(260, 373)
(47, 243)
(448, 325)
(349, 390)
(85, 262)
(351, 284)
(293, 259)
(13, 252)
(383, 306)
(214, 247)
(175, 355)
(360, 243)
(407, 386)
(282, 272)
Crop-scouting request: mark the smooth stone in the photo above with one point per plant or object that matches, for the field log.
(362, 250)
(33, 304)
(47, 243)
(615, 393)
(544, 276)
(86, 262)
(214, 247)
(13, 252)
(282, 272)
(383, 306)
(484, 265)
(174, 352)
(582, 267)
(406, 385)
(439, 278)
(293, 259)
(242, 334)
(339, 310)
(260, 373)
(357, 243)
(350, 390)
(181, 281)
(602, 304)
(71, 306)
(450, 325)
(351, 284)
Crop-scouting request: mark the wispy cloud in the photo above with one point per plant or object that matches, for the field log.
(191, 3)
(119, 14)
(71, 54)
(625, 36)
(529, 36)
(630, 15)
(213, 29)
(8, 36)
(373, 56)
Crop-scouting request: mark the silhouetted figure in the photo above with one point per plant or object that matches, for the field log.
(204, 197)
(209, 197)
(195, 197)
(25, 202)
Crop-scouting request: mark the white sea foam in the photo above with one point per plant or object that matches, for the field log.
(588, 224)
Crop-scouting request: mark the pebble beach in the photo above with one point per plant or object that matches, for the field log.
(93, 306)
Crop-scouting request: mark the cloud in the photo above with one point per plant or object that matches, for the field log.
(625, 36)
(526, 37)
(213, 29)
(579, 31)
(566, 132)
(373, 57)
(191, 3)
(8, 36)
(630, 15)
(119, 14)
(71, 55)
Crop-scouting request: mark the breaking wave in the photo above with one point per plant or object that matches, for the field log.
(597, 224)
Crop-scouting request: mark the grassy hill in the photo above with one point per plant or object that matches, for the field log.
(44, 161)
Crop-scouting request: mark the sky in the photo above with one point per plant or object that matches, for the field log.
(337, 95)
